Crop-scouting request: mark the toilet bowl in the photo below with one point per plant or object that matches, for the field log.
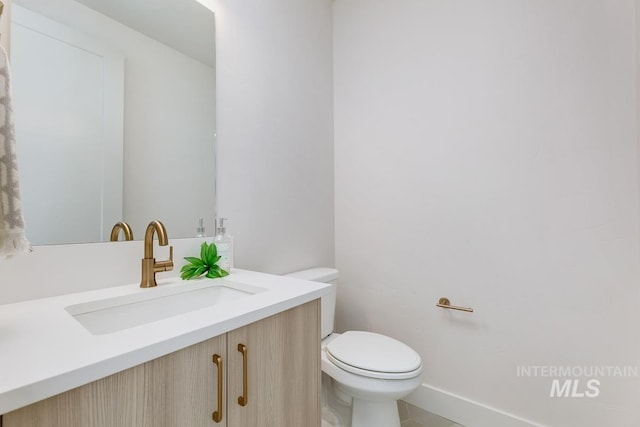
(369, 372)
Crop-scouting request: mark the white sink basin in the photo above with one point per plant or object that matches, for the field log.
(150, 305)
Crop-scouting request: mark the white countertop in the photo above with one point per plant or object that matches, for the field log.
(44, 351)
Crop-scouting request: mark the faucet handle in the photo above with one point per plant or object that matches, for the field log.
(165, 265)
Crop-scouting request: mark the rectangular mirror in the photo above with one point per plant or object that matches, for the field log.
(114, 106)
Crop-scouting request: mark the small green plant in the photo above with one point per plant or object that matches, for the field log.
(206, 264)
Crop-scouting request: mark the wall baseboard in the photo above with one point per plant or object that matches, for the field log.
(464, 411)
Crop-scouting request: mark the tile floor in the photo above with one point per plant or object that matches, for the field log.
(412, 416)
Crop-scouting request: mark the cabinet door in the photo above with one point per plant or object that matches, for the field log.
(110, 401)
(180, 389)
(283, 370)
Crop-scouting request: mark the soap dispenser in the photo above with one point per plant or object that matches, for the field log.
(224, 244)
(200, 229)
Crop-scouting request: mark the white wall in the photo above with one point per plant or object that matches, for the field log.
(486, 151)
(275, 131)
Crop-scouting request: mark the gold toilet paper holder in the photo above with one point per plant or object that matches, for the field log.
(445, 303)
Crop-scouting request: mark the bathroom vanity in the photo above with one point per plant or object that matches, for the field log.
(251, 361)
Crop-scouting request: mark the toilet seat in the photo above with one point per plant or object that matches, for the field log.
(373, 355)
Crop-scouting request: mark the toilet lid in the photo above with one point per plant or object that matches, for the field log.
(374, 355)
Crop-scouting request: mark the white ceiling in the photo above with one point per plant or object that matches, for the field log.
(185, 25)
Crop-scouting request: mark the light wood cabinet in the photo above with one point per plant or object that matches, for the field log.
(287, 393)
(278, 375)
(180, 389)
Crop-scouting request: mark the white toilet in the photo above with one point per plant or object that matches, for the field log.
(369, 371)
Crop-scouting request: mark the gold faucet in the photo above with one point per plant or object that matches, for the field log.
(149, 265)
(126, 230)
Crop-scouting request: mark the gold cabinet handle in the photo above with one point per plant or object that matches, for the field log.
(217, 415)
(243, 400)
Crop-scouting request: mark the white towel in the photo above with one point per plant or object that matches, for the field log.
(12, 238)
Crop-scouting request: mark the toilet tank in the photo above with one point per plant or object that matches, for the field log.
(327, 302)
